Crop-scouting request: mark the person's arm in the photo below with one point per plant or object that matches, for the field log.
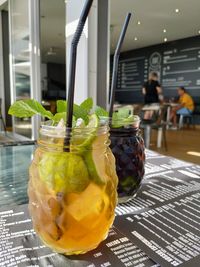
(159, 89)
(180, 105)
(143, 91)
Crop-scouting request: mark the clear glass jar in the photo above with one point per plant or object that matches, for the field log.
(128, 148)
(73, 191)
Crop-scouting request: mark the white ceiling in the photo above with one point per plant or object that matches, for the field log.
(154, 15)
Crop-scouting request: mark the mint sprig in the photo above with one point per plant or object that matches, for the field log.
(101, 112)
(123, 113)
(78, 111)
(122, 117)
(28, 108)
(61, 106)
(87, 104)
(59, 116)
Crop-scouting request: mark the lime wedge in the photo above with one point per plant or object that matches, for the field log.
(95, 159)
(83, 135)
(63, 172)
(93, 121)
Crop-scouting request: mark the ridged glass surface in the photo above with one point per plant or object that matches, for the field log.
(14, 164)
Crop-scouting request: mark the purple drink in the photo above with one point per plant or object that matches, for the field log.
(128, 148)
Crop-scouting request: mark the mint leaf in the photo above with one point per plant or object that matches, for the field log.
(116, 120)
(28, 108)
(131, 119)
(58, 116)
(78, 111)
(121, 118)
(87, 104)
(101, 112)
(61, 106)
(123, 113)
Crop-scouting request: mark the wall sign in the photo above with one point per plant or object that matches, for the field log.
(177, 64)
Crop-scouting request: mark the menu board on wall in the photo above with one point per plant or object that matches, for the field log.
(177, 64)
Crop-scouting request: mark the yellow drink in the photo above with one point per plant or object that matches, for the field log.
(72, 195)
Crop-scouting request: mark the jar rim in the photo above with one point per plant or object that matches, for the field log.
(62, 131)
(133, 121)
(135, 118)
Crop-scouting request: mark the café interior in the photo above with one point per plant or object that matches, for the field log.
(131, 151)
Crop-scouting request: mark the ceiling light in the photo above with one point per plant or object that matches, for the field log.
(177, 10)
(135, 38)
(139, 22)
(164, 30)
(165, 39)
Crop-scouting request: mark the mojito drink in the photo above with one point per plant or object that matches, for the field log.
(72, 193)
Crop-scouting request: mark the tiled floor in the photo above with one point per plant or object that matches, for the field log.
(182, 144)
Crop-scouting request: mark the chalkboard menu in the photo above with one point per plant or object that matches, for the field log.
(177, 64)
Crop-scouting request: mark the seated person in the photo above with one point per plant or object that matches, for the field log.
(185, 107)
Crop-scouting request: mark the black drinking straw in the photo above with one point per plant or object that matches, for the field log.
(72, 65)
(115, 63)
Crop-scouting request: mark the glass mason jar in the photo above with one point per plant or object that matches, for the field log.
(73, 191)
(128, 148)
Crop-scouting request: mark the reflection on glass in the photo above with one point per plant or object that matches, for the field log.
(14, 162)
(20, 52)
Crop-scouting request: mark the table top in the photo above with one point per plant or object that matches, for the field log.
(151, 107)
(14, 139)
(171, 104)
(148, 231)
(14, 162)
(154, 107)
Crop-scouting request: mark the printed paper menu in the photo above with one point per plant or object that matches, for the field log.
(20, 246)
(169, 233)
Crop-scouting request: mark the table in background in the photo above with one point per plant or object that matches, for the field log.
(151, 107)
(169, 107)
(147, 125)
(166, 180)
